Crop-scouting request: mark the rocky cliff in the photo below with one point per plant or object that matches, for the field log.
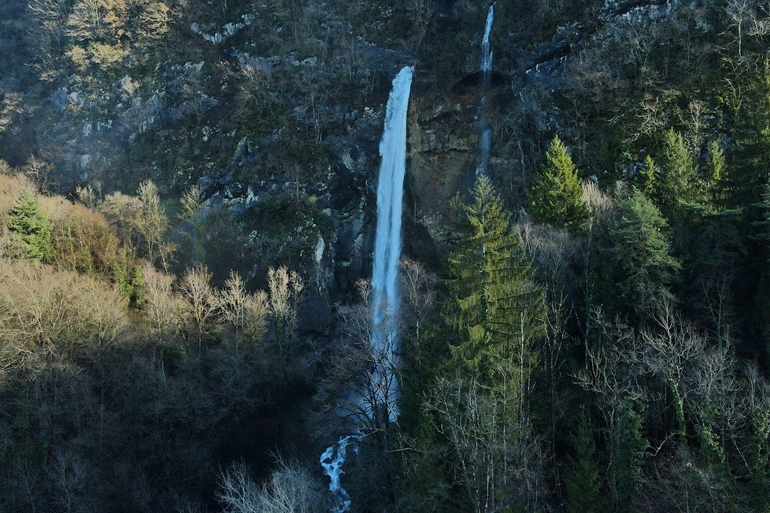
(275, 108)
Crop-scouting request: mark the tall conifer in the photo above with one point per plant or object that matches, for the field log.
(32, 227)
(495, 306)
(556, 197)
(679, 182)
(641, 256)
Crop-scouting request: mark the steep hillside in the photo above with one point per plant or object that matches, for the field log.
(585, 325)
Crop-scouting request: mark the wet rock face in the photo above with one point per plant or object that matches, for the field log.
(442, 157)
(352, 205)
(444, 149)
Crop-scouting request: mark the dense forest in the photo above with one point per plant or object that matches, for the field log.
(187, 216)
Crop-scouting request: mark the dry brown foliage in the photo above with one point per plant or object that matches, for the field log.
(83, 241)
(202, 304)
(10, 190)
(45, 311)
(82, 238)
(163, 308)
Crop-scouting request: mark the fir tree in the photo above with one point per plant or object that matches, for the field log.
(34, 230)
(643, 266)
(741, 183)
(648, 174)
(495, 306)
(626, 456)
(556, 197)
(716, 172)
(582, 478)
(679, 182)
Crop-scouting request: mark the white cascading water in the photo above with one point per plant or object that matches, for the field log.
(331, 461)
(385, 294)
(485, 142)
(486, 51)
(387, 246)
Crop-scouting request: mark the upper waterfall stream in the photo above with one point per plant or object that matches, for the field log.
(485, 138)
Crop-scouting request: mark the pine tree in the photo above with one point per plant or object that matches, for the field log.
(582, 478)
(648, 174)
(34, 230)
(495, 306)
(716, 172)
(556, 197)
(679, 182)
(642, 264)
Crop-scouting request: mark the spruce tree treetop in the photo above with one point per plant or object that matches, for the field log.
(27, 220)
(641, 255)
(679, 182)
(495, 306)
(648, 174)
(556, 197)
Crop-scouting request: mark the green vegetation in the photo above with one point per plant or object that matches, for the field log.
(33, 229)
(494, 304)
(556, 197)
(193, 332)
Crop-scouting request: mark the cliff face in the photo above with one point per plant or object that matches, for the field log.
(265, 104)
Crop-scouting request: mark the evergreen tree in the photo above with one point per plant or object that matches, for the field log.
(716, 172)
(556, 197)
(643, 268)
(34, 230)
(764, 223)
(747, 169)
(495, 306)
(582, 478)
(626, 456)
(679, 182)
(648, 174)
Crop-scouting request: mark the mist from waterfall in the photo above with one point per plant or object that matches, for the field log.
(485, 139)
(385, 294)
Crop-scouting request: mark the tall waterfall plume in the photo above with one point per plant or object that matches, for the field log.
(387, 246)
(486, 51)
(385, 293)
(485, 139)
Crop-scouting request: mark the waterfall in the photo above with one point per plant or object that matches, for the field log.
(331, 461)
(486, 51)
(385, 294)
(485, 140)
(387, 246)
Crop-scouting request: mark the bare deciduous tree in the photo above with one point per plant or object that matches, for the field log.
(285, 288)
(418, 290)
(234, 298)
(245, 313)
(191, 201)
(50, 312)
(367, 369)
(161, 305)
(500, 462)
(151, 223)
(256, 309)
(140, 221)
(201, 299)
(290, 489)
(612, 367)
